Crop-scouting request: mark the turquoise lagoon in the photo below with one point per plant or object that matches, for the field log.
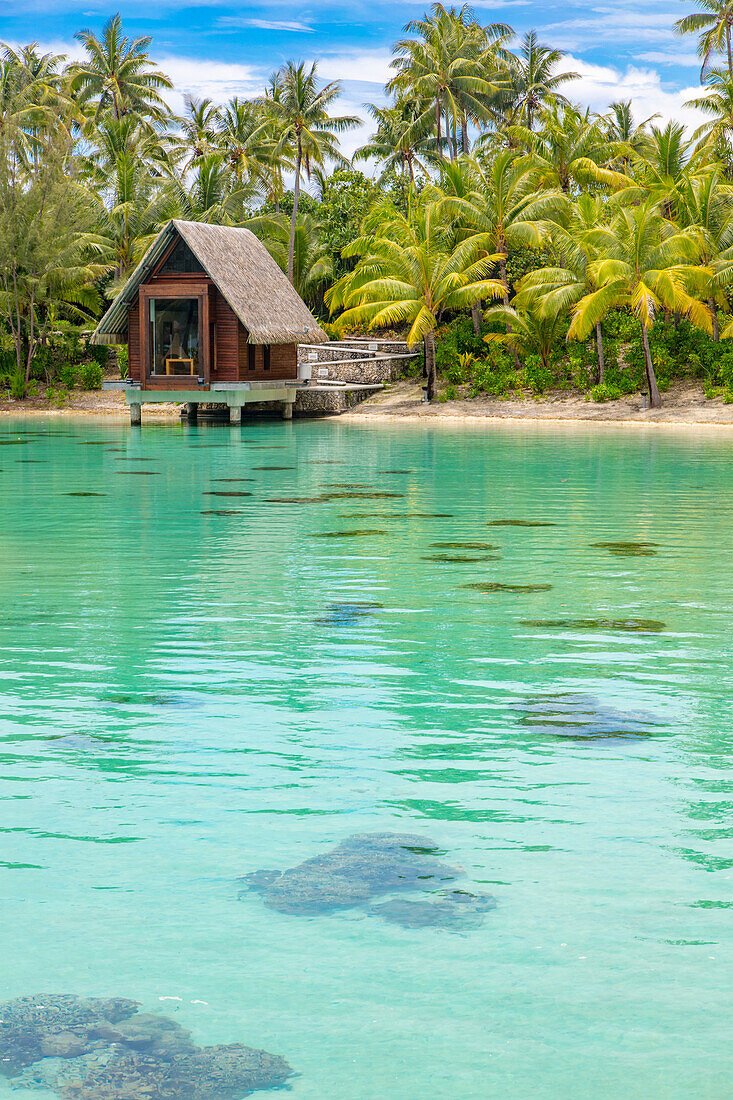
(197, 686)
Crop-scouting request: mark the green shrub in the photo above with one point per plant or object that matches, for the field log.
(18, 385)
(450, 393)
(605, 392)
(57, 397)
(90, 376)
(67, 375)
(99, 353)
(454, 340)
(539, 377)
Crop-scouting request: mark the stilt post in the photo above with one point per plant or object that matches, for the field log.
(287, 410)
(235, 414)
(192, 410)
(136, 418)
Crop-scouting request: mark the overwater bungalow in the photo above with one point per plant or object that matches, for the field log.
(208, 316)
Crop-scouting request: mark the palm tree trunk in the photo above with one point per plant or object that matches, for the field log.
(601, 356)
(464, 136)
(429, 344)
(716, 323)
(438, 121)
(296, 196)
(655, 399)
(476, 317)
(730, 51)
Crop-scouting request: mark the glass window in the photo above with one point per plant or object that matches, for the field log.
(174, 328)
(181, 260)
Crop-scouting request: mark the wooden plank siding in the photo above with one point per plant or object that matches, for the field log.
(227, 340)
(134, 351)
(283, 361)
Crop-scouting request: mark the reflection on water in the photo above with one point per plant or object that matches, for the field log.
(188, 698)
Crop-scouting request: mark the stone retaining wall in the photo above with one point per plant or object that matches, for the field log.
(328, 401)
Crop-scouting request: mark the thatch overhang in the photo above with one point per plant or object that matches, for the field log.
(245, 274)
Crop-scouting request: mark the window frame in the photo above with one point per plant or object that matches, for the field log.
(178, 289)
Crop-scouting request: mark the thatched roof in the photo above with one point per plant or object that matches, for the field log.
(244, 273)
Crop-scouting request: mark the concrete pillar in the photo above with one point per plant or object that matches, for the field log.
(136, 418)
(235, 414)
(287, 410)
(192, 410)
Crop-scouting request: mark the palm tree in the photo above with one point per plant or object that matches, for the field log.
(570, 151)
(503, 203)
(313, 266)
(411, 271)
(707, 212)
(117, 74)
(247, 137)
(716, 136)
(713, 25)
(32, 98)
(300, 110)
(552, 291)
(622, 128)
(402, 140)
(642, 263)
(533, 80)
(125, 170)
(198, 127)
(663, 166)
(528, 328)
(211, 194)
(446, 67)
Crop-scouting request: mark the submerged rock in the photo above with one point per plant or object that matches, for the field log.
(494, 586)
(103, 1049)
(627, 549)
(460, 559)
(520, 523)
(361, 533)
(201, 1073)
(227, 493)
(584, 718)
(347, 614)
(33, 1028)
(351, 874)
(397, 515)
(455, 910)
(642, 626)
(463, 546)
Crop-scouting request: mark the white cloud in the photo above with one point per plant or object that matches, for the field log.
(670, 56)
(264, 24)
(370, 66)
(216, 80)
(601, 85)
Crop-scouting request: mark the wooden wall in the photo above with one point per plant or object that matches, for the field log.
(283, 361)
(134, 351)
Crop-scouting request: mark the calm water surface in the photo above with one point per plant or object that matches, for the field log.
(190, 697)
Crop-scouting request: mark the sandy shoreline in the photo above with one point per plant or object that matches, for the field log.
(683, 406)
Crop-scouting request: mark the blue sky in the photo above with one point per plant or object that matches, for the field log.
(622, 48)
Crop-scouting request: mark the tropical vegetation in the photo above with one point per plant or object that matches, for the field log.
(523, 241)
